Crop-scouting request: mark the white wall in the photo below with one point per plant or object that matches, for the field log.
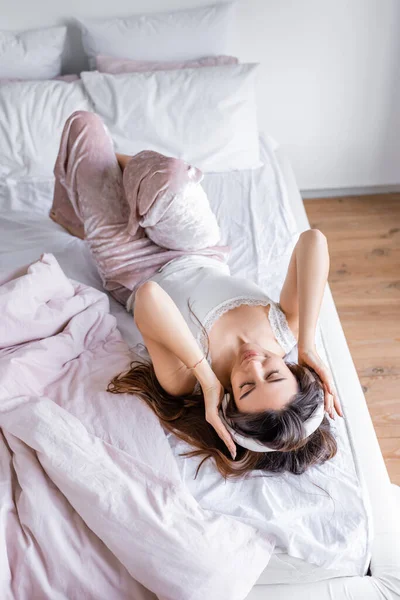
(329, 81)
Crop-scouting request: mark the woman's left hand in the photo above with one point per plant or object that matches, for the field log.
(213, 393)
(310, 357)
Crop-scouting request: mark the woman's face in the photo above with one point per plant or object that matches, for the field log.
(261, 380)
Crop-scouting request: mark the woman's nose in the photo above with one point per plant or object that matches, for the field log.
(256, 367)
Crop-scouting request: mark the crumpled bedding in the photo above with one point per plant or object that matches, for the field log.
(321, 532)
(92, 504)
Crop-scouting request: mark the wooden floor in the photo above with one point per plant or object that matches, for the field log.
(364, 244)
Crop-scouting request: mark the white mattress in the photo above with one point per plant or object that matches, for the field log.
(26, 233)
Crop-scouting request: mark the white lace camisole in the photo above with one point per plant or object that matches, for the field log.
(211, 291)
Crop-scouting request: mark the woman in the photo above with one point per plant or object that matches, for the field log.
(156, 253)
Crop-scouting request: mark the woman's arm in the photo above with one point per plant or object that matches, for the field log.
(301, 299)
(303, 289)
(161, 323)
(312, 275)
(174, 352)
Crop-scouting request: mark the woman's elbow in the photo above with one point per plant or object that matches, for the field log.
(315, 235)
(145, 290)
(143, 298)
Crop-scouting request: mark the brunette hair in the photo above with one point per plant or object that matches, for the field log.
(281, 429)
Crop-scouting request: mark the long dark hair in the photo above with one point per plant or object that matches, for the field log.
(281, 429)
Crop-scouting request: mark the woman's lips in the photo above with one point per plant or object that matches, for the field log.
(249, 354)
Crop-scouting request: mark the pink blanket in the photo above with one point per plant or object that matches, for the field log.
(92, 505)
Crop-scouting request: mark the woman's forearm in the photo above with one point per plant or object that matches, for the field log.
(312, 275)
(157, 316)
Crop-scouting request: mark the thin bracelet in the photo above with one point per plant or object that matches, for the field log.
(198, 362)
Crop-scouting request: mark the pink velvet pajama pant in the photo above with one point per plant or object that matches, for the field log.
(90, 201)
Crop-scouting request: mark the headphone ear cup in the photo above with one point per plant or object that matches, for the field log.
(224, 402)
(222, 407)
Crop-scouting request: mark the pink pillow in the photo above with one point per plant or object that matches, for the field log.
(113, 65)
(67, 78)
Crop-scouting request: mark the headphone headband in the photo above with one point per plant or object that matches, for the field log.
(311, 424)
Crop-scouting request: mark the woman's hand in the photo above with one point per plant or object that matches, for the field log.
(213, 392)
(310, 357)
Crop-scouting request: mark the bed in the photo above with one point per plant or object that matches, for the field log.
(381, 580)
(348, 548)
(27, 231)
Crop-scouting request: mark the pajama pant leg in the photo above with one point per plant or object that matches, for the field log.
(90, 201)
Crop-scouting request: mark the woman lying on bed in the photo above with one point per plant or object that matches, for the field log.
(218, 377)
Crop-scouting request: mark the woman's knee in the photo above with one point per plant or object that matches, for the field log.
(83, 118)
(86, 116)
(88, 128)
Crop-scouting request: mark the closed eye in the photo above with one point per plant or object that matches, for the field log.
(252, 383)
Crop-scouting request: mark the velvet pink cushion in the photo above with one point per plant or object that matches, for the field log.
(110, 64)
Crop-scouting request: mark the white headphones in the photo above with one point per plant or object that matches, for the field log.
(311, 424)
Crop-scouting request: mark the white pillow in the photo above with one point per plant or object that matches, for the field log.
(33, 54)
(174, 35)
(205, 116)
(32, 117)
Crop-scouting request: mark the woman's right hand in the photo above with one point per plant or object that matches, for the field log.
(213, 392)
(310, 357)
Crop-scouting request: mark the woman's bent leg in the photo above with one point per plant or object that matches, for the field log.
(89, 193)
(87, 169)
(63, 212)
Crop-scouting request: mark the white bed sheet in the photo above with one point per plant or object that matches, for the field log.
(383, 580)
(305, 551)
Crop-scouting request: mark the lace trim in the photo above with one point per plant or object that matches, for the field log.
(277, 319)
(281, 329)
(279, 325)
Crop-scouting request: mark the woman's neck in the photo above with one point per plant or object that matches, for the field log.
(234, 328)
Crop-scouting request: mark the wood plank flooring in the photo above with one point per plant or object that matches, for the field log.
(363, 235)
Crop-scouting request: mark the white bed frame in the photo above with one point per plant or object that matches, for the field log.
(383, 579)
